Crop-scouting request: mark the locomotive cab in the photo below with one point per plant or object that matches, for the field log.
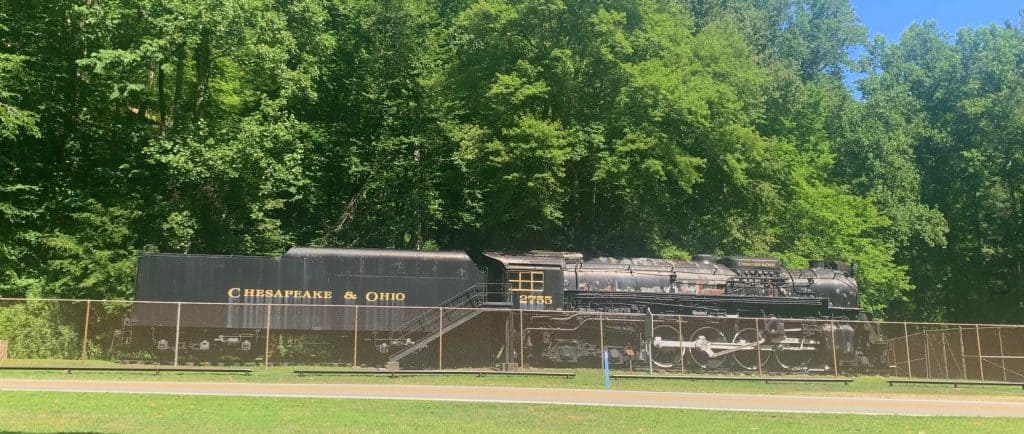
(534, 279)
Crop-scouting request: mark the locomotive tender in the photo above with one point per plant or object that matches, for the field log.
(563, 292)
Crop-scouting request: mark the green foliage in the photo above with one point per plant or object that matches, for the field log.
(40, 330)
(953, 111)
(14, 120)
(648, 127)
(92, 256)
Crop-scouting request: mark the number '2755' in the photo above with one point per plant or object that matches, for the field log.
(535, 299)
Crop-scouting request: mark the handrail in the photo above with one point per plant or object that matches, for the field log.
(469, 297)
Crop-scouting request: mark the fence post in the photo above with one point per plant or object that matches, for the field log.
(522, 345)
(604, 367)
(600, 329)
(1002, 355)
(682, 360)
(355, 339)
(981, 361)
(650, 344)
(835, 356)
(440, 338)
(906, 341)
(927, 356)
(945, 360)
(963, 354)
(266, 344)
(177, 334)
(757, 339)
(509, 332)
(85, 333)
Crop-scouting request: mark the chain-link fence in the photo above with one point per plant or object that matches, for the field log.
(60, 331)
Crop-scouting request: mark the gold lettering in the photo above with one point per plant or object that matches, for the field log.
(375, 296)
(301, 293)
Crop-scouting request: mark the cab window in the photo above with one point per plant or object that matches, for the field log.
(526, 281)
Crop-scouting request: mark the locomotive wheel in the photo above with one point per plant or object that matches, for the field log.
(666, 357)
(747, 359)
(702, 359)
(795, 358)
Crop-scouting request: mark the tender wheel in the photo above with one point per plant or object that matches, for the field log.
(796, 356)
(700, 358)
(747, 359)
(666, 357)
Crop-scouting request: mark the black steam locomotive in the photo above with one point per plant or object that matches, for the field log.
(224, 303)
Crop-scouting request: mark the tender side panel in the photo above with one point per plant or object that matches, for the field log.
(201, 279)
(300, 285)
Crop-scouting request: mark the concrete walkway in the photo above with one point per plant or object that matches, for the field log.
(938, 406)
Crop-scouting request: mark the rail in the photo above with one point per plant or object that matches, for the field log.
(394, 374)
(766, 380)
(156, 370)
(957, 383)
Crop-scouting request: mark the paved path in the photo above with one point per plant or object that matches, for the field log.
(738, 402)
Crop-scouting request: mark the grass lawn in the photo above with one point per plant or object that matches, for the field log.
(585, 379)
(99, 412)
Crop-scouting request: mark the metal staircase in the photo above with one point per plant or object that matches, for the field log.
(449, 315)
(127, 328)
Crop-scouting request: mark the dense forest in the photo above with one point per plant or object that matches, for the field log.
(617, 127)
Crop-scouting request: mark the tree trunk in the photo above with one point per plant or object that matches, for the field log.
(162, 100)
(179, 78)
(69, 105)
(202, 75)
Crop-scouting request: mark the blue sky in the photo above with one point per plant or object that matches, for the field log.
(890, 18)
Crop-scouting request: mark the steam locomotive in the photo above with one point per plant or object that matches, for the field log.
(577, 307)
